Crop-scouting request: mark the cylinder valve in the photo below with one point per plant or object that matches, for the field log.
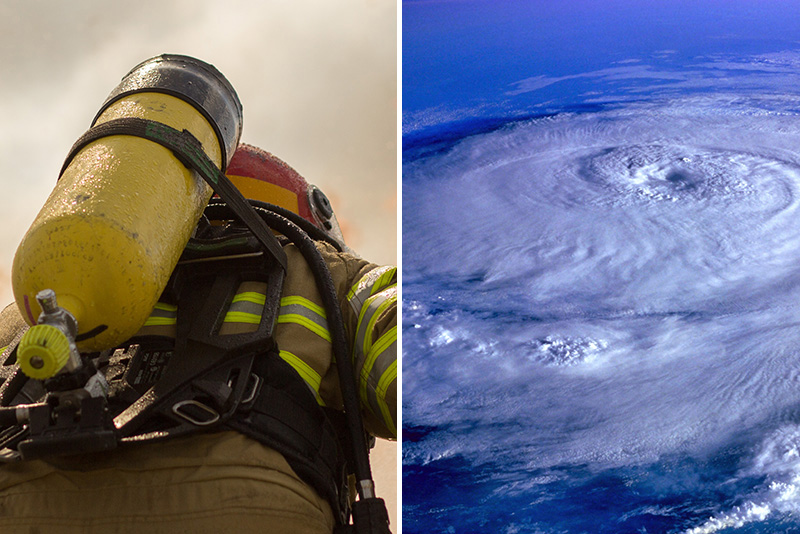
(49, 346)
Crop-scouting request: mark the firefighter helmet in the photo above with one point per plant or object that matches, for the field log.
(262, 176)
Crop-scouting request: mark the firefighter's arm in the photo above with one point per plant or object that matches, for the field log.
(372, 326)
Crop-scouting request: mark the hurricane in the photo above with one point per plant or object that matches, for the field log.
(601, 322)
(601, 267)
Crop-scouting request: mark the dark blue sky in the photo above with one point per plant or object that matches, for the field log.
(468, 53)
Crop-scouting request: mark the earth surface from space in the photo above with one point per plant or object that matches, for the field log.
(601, 266)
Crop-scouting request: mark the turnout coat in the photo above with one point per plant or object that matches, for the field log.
(219, 481)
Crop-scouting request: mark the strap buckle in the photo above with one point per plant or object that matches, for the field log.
(183, 409)
(253, 390)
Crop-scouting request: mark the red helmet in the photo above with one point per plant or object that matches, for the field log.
(261, 176)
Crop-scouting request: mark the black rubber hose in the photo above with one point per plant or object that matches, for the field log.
(341, 347)
(308, 227)
(12, 386)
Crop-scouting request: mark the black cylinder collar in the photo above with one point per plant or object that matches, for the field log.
(193, 81)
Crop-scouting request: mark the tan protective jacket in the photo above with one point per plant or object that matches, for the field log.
(225, 481)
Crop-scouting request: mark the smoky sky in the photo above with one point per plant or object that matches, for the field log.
(317, 81)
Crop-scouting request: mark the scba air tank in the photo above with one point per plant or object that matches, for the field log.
(114, 227)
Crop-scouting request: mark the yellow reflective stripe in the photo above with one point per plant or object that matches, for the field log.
(160, 321)
(306, 372)
(389, 376)
(162, 315)
(304, 302)
(305, 322)
(384, 281)
(375, 314)
(370, 283)
(372, 356)
(385, 341)
(302, 311)
(242, 317)
(250, 296)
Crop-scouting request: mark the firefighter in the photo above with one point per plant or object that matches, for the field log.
(227, 410)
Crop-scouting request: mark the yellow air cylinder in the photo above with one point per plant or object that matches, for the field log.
(112, 230)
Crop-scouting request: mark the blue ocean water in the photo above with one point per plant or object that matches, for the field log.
(601, 267)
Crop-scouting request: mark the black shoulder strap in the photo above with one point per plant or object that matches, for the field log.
(190, 152)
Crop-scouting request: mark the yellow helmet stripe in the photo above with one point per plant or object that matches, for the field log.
(256, 189)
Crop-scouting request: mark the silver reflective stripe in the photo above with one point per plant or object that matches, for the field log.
(372, 310)
(377, 375)
(303, 312)
(375, 280)
(246, 307)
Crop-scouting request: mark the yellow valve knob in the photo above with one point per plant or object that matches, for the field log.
(42, 351)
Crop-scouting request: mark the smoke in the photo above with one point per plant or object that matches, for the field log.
(317, 82)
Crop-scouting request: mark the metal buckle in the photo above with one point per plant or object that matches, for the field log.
(253, 391)
(8, 456)
(214, 416)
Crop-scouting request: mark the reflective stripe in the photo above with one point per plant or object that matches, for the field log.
(303, 312)
(371, 298)
(162, 315)
(243, 308)
(305, 322)
(305, 303)
(373, 308)
(374, 281)
(385, 341)
(250, 296)
(160, 321)
(385, 280)
(246, 308)
(386, 380)
(242, 317)
(377, 362)
(308, 374)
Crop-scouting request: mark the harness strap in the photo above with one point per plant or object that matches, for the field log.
(369, 511)
(286, 417)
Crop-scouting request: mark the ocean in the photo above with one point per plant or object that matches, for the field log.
(601, 272)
